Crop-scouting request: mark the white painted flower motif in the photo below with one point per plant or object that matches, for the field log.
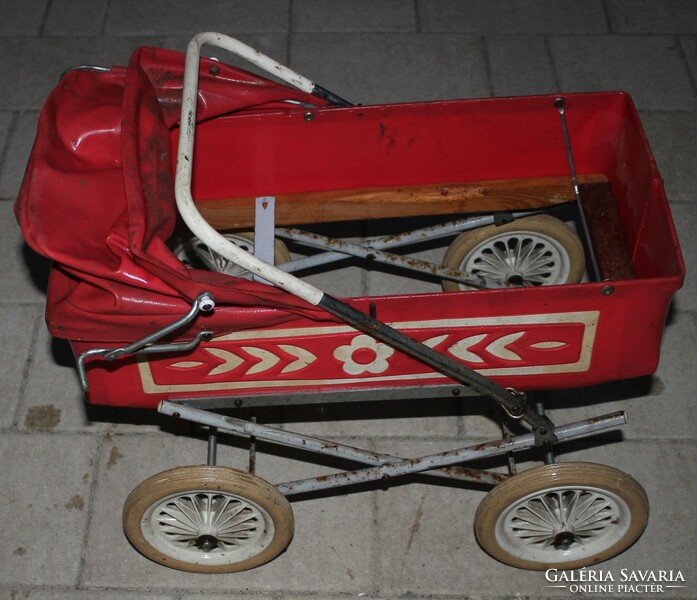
(362, 347)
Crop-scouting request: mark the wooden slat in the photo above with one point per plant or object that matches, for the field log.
(403, 201)
(606, 232)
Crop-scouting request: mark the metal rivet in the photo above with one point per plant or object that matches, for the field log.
(309, 117)
(607, 290)
(206, 303)
(214, 70)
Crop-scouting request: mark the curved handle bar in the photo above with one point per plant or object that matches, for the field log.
(182, 182)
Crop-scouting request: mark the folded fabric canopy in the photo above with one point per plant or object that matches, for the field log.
(98, 200)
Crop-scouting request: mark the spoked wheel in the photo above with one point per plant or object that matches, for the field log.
(208, 519)
(565, 516)
(195, 254)
(532, 251)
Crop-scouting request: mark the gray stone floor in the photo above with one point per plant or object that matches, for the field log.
(65, 470)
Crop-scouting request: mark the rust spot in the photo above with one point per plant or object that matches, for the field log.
(76, 502)
(602, 418)
(114, 457)
(477, 475)
(416, 525)
(43, 418)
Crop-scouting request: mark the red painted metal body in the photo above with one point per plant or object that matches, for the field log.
(97, 199)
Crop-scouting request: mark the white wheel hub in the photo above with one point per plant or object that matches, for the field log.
(521, 258)
(194, 253)
(208, 527)
(562, 524)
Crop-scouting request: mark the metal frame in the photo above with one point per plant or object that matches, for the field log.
(372, 249)
(383, 466)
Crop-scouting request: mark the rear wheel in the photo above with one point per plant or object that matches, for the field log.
(532, 251)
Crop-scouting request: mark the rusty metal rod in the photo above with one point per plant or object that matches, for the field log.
(312, 444)
(387, 466)
(368, 252)
(560, 105)
(424, 463)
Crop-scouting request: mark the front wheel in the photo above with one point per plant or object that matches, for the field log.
(564, 516)
(208, 519)
(196, 255)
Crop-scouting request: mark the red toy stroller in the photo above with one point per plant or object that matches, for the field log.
(178, 197)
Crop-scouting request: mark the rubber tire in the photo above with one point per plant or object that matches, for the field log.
(552, 227)
(539, 479)
(216, 478)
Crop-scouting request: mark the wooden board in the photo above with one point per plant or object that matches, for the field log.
(606, 232)
(403, 201)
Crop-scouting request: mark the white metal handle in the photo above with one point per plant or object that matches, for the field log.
(182, 182)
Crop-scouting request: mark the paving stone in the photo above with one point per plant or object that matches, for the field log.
(685, 216)
(689, 46)
(666, 394)
(53, 400)
(274, 45)
(180, 16)
(645, 16)
(78, 594)
(341, 282)
(117, 49)
(17, 155)
(45, 482)
(362, 596)
(424, 550)
(37, 65)
(233, 596)
(6, 119)
(332, 535)
(16, 329)
(673, 139)
(392, 67)
(386, 280)
(343, 279)
(398, 418)
(650, 68)
(520, 65)
(22, 18)
(359, 15)
(77, 17)
(25, 274)
(509, 16)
